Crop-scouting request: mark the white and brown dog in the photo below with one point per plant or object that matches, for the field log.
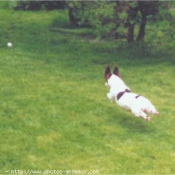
(119, 92)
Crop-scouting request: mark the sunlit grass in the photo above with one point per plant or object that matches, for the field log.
(54, 111)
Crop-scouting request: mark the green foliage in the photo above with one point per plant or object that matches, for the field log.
(113, 18)
(163, 26)
(39, 5)
(7, 4)
(96, 14)
(60, 20)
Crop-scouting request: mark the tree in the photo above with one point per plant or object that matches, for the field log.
(111, 18)
(146, 9)
(131, 21)
(97, 15)
(105, 16)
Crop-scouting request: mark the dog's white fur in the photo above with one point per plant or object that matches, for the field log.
(140, 107)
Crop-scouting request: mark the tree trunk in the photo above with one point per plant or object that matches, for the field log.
(121, 6)
(72, 19)
(132, 14)
(143, 10)
(130, 35)
(141, 33)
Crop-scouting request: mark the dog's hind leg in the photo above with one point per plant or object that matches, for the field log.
(151, 110)
(148, 107)
(139, 113)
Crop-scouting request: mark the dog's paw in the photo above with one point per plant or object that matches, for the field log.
(109, 95)
(148, 119)
(112, 99)
(156, 113)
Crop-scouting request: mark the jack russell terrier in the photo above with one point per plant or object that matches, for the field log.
(119, 92)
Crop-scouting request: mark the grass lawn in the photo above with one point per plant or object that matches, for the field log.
(54, 111)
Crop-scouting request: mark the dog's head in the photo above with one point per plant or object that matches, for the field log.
(108, 73)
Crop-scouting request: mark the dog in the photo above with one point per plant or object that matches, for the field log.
(121, 94)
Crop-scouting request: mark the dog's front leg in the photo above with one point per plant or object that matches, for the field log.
(107, 85)
(111, 97)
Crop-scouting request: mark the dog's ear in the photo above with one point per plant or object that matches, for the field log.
(107, 70)
(116, 71)
(107, 73)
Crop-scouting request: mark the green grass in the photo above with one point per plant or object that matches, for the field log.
(54, 111)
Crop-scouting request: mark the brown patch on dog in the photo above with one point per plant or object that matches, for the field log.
(116, 71)
(107, 73)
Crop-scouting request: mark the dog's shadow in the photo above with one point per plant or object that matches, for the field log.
(132, 123)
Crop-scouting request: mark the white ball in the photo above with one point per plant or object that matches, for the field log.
(9, 44)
